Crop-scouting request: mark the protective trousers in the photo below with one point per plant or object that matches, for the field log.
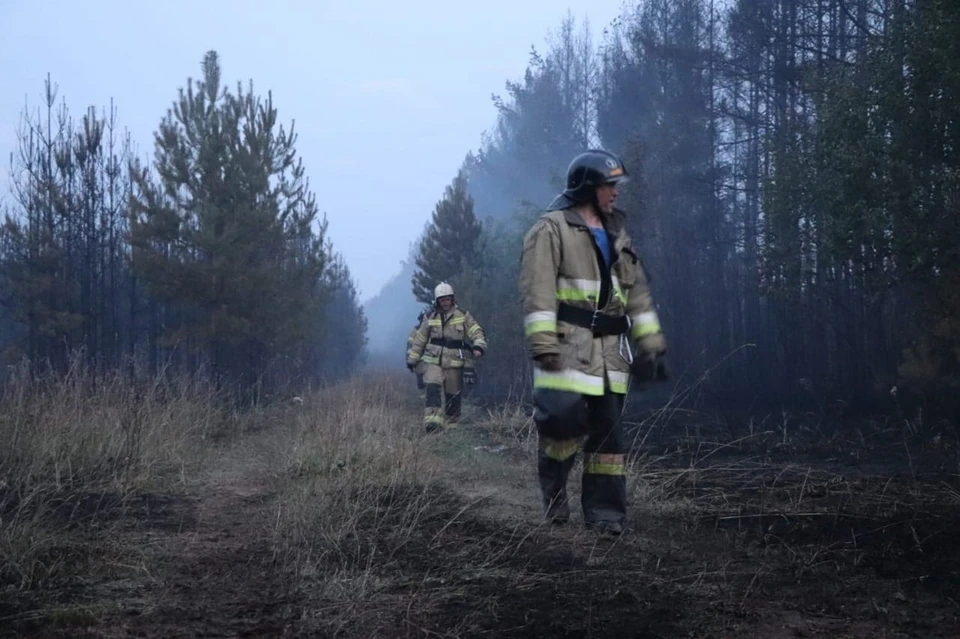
(442, 397)
(604, 492)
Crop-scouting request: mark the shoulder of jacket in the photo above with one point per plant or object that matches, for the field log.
(556, 219)
(548, 222)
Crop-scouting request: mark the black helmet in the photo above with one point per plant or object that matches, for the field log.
(586, 172)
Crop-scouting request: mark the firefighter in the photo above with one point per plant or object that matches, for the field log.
(590, 322)
(419, 367)
(445, 336)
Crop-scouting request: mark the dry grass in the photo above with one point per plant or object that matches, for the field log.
(382, 524)
(75, 451)
(358, 482)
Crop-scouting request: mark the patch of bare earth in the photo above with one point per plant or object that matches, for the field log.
(215, 575)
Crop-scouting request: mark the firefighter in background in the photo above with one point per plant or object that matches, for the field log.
(587, 305)
(440, 344)
(419, 368)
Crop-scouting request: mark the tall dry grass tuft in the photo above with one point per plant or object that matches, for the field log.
(75, 448)
(360, 482)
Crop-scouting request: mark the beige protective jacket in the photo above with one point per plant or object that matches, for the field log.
(561, 263)
(446, 340)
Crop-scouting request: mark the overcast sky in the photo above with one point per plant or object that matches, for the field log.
(388, 96)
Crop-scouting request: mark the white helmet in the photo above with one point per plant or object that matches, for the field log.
(442, 290)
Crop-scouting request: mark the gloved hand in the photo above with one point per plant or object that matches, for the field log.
(549, 362)
(411, 367)
(663, 371)
(655, 344)
(650, 367)
(469, 376)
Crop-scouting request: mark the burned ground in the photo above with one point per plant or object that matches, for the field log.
(766, 535)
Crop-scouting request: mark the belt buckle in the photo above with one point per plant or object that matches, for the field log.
(593, 320)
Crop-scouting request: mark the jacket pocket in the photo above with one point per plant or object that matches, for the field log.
(576, 345)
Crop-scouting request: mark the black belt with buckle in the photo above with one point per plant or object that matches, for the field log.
(598, 323)
(448, 343)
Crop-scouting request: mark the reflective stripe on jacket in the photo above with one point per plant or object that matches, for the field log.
(562, 263)
(446, 339)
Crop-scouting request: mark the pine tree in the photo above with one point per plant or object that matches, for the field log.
(450, 242)
(224, 239)
(342, 346)
(63, 265)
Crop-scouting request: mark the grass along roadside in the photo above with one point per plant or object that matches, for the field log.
(76, 453)
(356, 453)
(85, 464)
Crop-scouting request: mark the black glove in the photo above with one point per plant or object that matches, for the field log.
(663, 371)
(469, 376)
(650, 368)
(550, 362)
(411, 367)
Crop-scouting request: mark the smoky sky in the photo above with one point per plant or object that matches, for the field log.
(388, 97)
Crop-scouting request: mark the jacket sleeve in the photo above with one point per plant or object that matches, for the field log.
(539, 265)
(475, 334)
(645, 324)
(417, 342)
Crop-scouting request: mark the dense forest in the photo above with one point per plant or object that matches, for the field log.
(796, 182)
(211, 260)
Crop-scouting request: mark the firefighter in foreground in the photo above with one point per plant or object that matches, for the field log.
(590, 322)
(442, 343)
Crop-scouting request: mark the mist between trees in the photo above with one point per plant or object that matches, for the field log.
(795, 193)
(212, 260)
